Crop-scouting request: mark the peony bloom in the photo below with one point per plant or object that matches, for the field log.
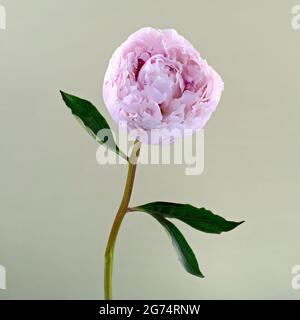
(157, 81)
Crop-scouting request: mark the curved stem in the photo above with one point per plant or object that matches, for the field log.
(109, 252)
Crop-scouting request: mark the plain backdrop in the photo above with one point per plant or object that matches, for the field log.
(57, 204)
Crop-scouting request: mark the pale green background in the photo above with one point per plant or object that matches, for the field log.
(57, 204)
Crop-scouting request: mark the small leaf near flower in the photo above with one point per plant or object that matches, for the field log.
(92, 121)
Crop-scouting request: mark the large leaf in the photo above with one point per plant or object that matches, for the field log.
(185, 253)
(198, 218)
(92, 120)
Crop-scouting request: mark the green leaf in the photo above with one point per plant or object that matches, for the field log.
(198, 218)
(92, 121)
(185, 253)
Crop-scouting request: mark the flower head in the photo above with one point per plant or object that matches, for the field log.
(157, 82)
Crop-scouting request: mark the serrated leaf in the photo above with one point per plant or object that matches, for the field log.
(92, 120)
(198, 218)
(185, 254)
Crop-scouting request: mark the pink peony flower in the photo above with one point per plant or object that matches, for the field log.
(156, 80)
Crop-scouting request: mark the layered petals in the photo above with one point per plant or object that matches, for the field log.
(157, 81)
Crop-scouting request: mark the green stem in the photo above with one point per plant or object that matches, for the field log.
(109, 252)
